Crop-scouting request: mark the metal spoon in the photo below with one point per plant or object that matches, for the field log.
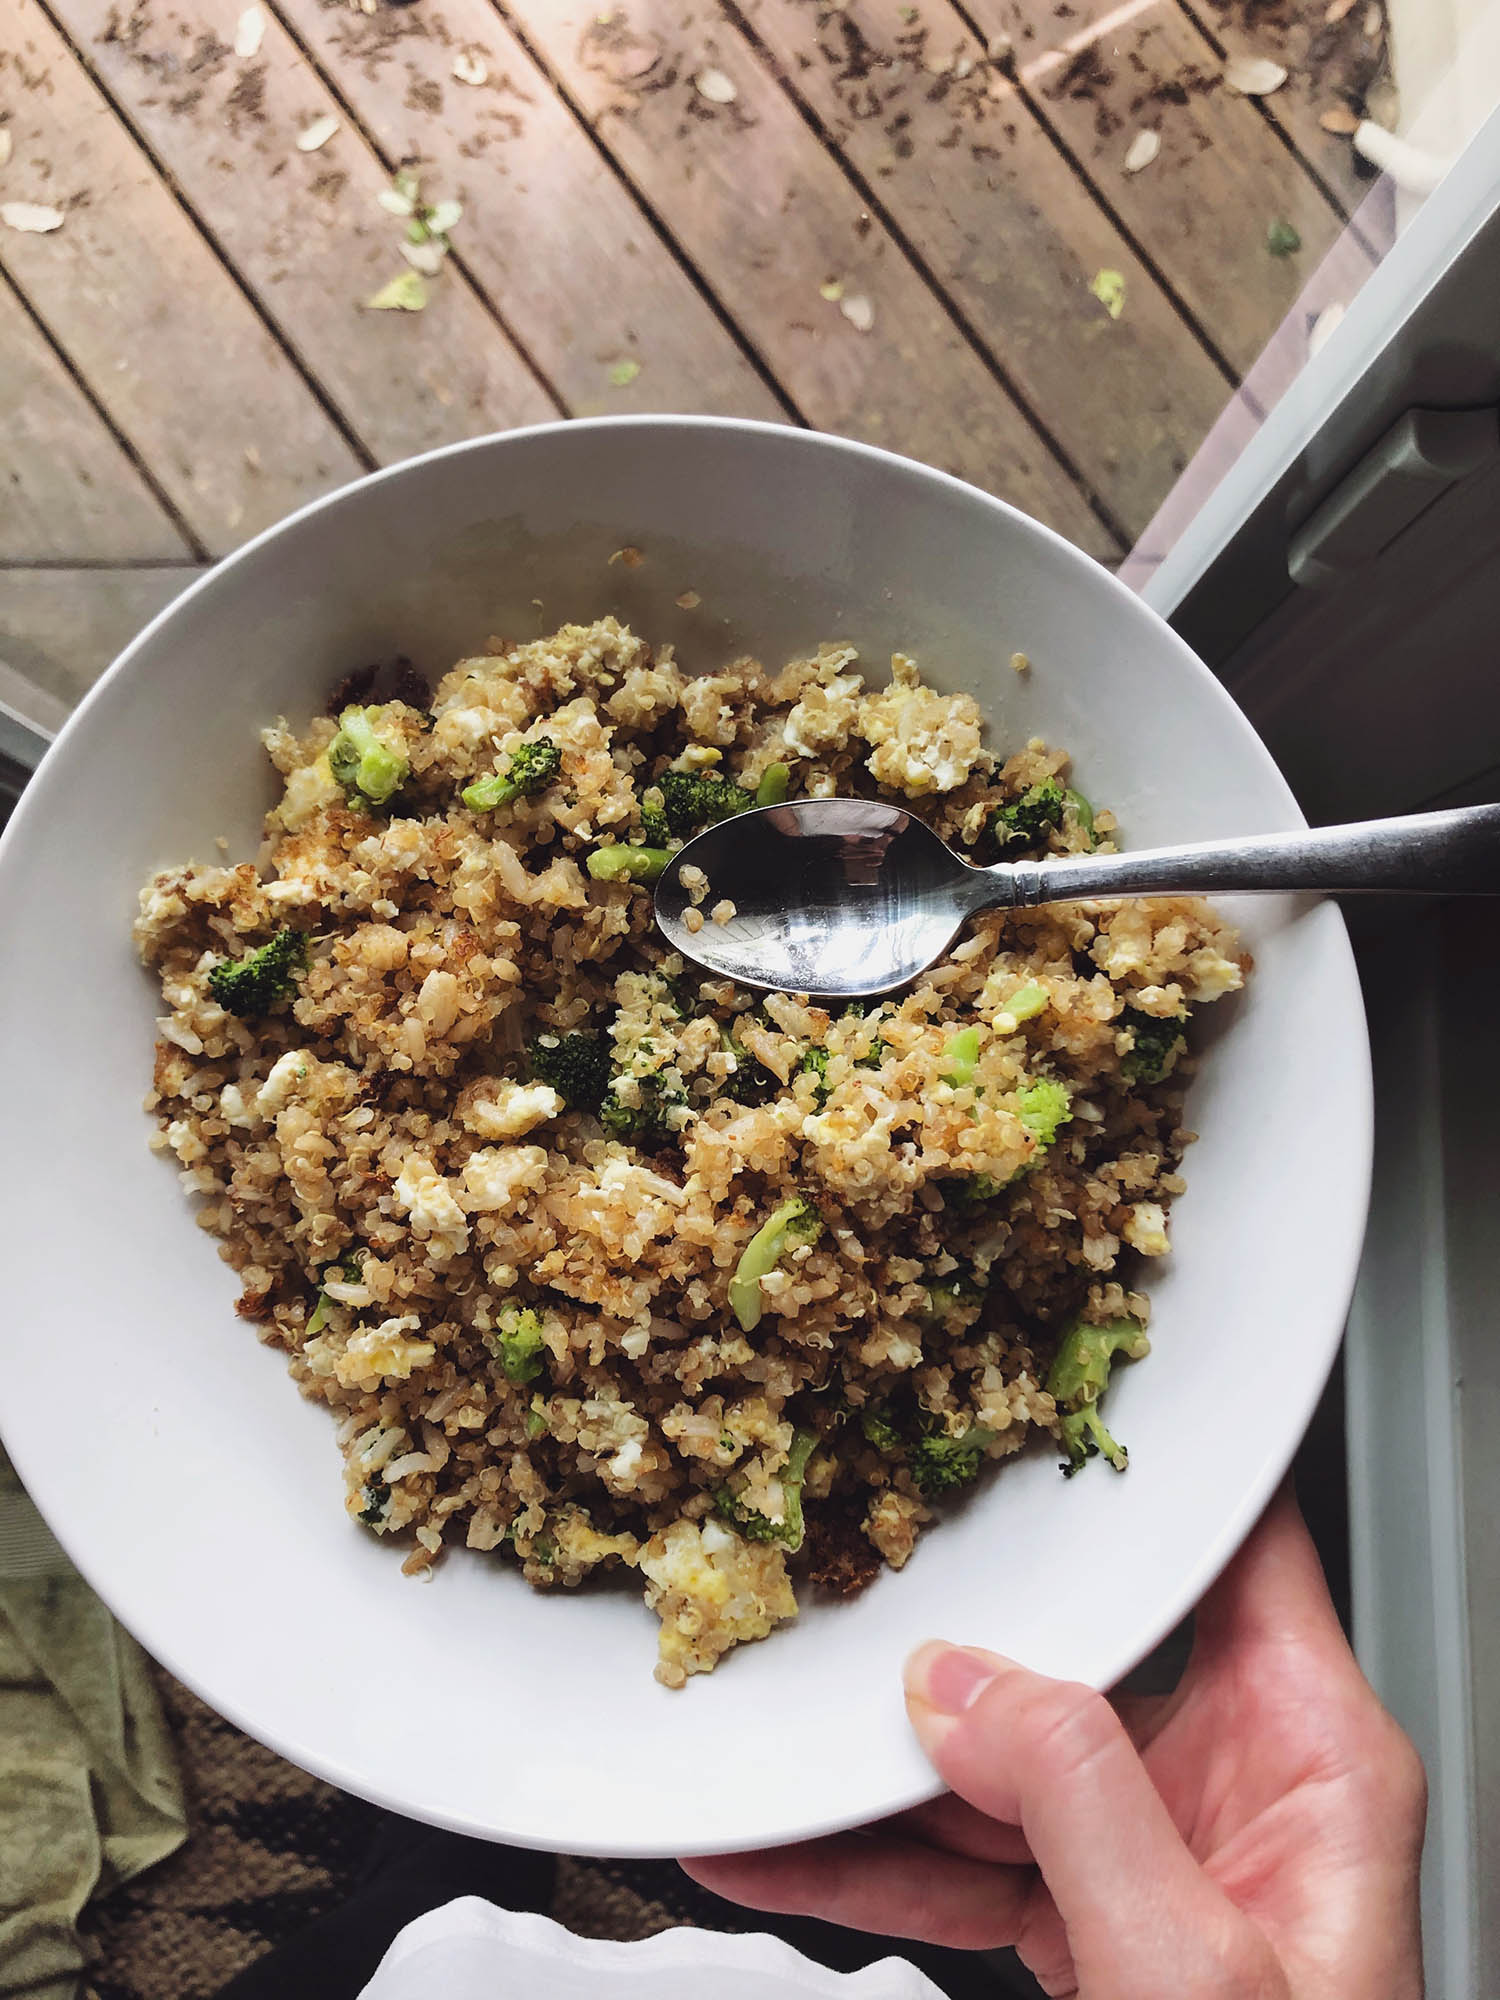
(850, 897)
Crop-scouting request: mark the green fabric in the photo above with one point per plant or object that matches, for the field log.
(89, 1789)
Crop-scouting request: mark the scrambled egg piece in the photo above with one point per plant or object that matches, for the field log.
(1146, 1229)
(711, 1591)
(496, 1108)
(821, 721)
(377, 1354)
(922, 741)
(495, 1175)
(431, 1207)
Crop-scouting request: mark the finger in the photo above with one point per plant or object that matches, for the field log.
(1054, 1759)
(881, 1883)
(1273, 1592)
(952, 1823)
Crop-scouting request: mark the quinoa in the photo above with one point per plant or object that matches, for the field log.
(515, 1288)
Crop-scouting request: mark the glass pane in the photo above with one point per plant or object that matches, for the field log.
(1378, 103)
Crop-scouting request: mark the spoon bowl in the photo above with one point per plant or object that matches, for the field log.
(832, 896)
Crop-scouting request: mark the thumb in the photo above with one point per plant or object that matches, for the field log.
(1053, 1759)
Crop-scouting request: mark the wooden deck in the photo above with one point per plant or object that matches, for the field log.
(881, 219)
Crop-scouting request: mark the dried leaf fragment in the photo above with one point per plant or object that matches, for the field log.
(32, 218)
(1282, 239)
(321, 130)
(249, 33)
(1253, 76)
(629, 558)
(470, 69)
(623, 373)
(1142, 150)
(426, 256)
(1318, 333)
(1341, 119)
(1108, 287)
(405, 293)
(714, 85)
(859, 311)
(689, 601)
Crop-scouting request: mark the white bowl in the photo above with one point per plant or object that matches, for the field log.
(202, 1497)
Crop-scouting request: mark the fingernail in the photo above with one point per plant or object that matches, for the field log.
(948, 1678)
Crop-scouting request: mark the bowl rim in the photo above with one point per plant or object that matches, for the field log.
(1359, 1134)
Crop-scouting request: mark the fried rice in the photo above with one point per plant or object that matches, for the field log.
(524, 1301)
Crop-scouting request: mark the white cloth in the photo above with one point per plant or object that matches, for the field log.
(470, 1950)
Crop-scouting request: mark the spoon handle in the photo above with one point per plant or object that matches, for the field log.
(1430, 854)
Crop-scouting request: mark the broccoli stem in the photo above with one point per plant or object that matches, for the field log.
(772, 789)
(486, 794)
(1026, 1002)
(363, 762)
(796, 1221)
(961, 1054)
(1077, 1379)
(789, 1529)
(1083, 812)
(617, 863)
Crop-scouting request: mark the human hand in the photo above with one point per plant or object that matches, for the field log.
(1254, 1835)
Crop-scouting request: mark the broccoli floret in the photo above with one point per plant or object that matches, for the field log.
(530, 769)
(815, 1064)
(1077, 1379)
(1028, 820)
(938, 1463)
(772, 789)
(345, 1271)
(750, 1082)
(368, 765)
(958, 1287)
(758, 1527)
(616, 863)
(694, 799)
(253, 984)
(796, 1221)
(881, 1432)
(576, 1067)
(518, 1344)
(1082, 811)
(654, 829)
(972, 1191)
(646, 1122)
(1156, 1039)
(1042, 1107)
(376, 1496)
(960, 1056)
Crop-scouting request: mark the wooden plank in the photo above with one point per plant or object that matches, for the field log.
(1202, 208)
(60, 628)
(549, 230)
(1328, 65)
(964, 169)
(67, 487)
(303, 228)
(148, 315)
(767, 217)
